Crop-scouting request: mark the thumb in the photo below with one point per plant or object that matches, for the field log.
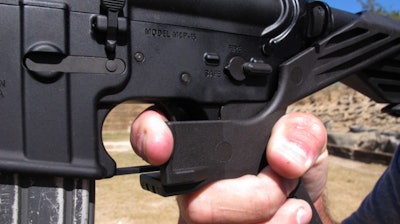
(297, 140)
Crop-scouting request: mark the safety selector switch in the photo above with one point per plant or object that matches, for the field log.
(239, 69)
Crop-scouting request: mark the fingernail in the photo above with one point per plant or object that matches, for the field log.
(302, 216)
(296, 154)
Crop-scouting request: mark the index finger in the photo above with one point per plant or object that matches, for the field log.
(151, 138)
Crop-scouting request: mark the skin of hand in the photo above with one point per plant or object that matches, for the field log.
(297, 148)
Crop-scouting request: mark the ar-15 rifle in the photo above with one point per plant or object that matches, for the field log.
(225, 70)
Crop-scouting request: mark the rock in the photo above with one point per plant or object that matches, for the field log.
(364, 139)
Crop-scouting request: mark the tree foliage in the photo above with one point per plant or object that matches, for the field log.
(374, 6)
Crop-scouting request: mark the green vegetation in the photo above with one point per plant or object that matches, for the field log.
(374, 6)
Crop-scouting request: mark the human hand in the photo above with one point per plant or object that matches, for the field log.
(297, 148)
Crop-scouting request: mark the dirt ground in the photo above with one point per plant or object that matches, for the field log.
(348, 183)
(120, 200)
